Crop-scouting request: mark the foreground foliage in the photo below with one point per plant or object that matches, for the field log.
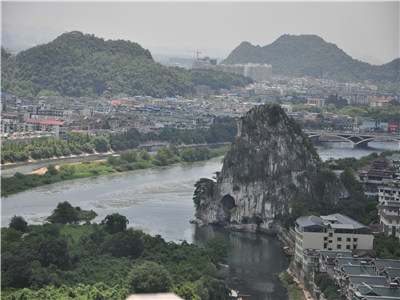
(58, 261)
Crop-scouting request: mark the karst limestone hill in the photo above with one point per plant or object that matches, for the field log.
(270, 165)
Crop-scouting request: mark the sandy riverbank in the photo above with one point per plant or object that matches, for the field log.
(43, 170)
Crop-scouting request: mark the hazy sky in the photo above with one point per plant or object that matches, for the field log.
(368, 31)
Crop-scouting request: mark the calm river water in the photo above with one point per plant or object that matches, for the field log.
(159, 201)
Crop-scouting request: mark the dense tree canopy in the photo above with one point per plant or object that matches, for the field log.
(59, 261)
(64, 213)
(18, 223)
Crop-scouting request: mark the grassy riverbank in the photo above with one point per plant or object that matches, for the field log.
(127, 161)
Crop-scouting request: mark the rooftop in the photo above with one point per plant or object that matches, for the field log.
(335, 221)
(368, 280)
(379, 291)
(386, 263)
(359, 270)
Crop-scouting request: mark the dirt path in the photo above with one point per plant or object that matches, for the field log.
(307, 294)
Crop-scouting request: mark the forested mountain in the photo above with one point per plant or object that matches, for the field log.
(310, 55)
(77, 64)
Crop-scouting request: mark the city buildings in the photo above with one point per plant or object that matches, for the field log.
(389, 210)
(332, 232)
(257, 72)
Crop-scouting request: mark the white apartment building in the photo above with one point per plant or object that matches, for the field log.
(389, 210)
(58, 127)
(332, 232)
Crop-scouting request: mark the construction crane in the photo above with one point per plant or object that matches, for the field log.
(197, 53)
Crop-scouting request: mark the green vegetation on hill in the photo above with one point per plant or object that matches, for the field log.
(77, 64)
(58, 261)
(310, 55)
(217, 80)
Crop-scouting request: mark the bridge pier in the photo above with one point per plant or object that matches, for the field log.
(362, 144)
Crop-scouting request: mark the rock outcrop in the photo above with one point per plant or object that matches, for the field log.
(270, 165)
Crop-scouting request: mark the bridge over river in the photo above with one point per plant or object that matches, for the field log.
(358, 139)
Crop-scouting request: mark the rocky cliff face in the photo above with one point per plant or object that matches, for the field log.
(269, 166)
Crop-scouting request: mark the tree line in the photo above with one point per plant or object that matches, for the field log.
(223, 130)
(105, 261)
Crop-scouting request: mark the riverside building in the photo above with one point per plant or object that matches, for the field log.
(389, 210)
(332, 232)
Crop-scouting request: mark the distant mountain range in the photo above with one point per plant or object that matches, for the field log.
(77, 64)
(310, 55)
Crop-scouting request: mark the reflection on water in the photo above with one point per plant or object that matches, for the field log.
(337, 150)
(255, 262)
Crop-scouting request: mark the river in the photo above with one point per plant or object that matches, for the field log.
(159, 201)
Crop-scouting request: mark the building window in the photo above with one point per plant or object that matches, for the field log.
(355, 239)
(330, 234)
(339, 246)
(330, 241)
(348, 239)
(348, 247)
(339, 239)
(325, 238)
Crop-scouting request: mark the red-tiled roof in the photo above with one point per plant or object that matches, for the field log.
(382, 100)
(45, 122)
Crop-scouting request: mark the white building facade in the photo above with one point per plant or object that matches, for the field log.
(332, 232)
(389, 210)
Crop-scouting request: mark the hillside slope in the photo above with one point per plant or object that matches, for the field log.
(77, 64)
(310, 55)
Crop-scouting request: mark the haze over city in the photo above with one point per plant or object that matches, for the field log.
(368, 31)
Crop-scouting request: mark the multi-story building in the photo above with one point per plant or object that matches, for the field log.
(58, 127)
(389, 210)
(332, 232)
(257, 72)
(316, 101)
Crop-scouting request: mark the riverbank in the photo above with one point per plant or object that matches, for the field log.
(128, 161)
(23, 166)
(47, 160)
